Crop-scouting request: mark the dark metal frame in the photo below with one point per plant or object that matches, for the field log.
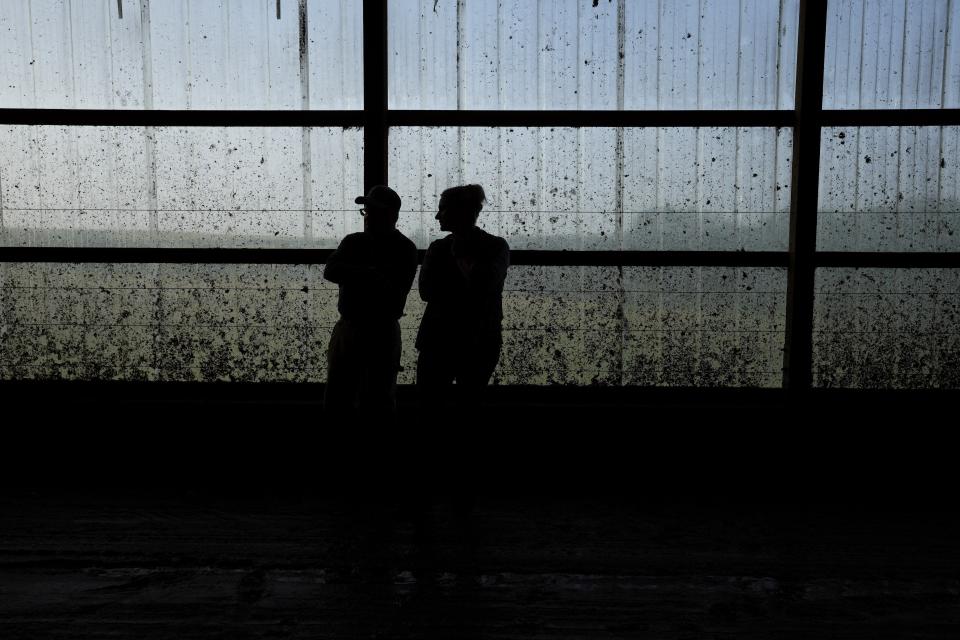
(467, 118)
(801, 273)
(807, 119)
(546, 258)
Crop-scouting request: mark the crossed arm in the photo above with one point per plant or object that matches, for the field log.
(342, 268)
(439, 273)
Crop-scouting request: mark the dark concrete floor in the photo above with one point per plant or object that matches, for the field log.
(163, 563)
(678, 517)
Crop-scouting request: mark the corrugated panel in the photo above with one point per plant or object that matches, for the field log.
(179, 187)
(892, 54)
(887, 328)
(571, 325)
(671, 326)
(577, 54)
(181, 54)
(603, 188)
(165, 322)
(889, 189)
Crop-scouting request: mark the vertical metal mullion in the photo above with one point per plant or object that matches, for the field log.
(374, 93)
(798, 345)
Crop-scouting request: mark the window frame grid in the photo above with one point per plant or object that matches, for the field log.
(807, 120)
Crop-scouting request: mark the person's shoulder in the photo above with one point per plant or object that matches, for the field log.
(352, 238)
(439, 243)
(404, 241)
(407, 248)
(495, 243)
(350, 243)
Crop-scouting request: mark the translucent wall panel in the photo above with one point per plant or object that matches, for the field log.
(165, 321)
(660, 326)
(179, 187)
(887, 328)
(570, 325)
(181, 54)
(574, 54)
(892, 54)
(889, 189)
(603, 188)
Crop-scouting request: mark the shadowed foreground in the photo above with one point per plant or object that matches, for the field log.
(661, 514)
(271, 564)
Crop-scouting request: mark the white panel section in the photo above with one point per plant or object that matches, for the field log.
(517, 53)
(558, 57)
(424, 160)
(570, 54)
(335, 53)
(180, 54)
(16, 56)
(892, 54)
(213, 186)
(889, 189)
(336, 178)
(566, 188)
(425, 34)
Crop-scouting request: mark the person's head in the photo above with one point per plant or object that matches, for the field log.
(381, 208)
(459, 207)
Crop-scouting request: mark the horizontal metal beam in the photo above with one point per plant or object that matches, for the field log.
(298, 118)
(193, 118)
(202, 255)
(211, 255)
(451, 118)
(319, 256)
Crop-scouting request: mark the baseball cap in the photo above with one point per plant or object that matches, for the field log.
(381, 196)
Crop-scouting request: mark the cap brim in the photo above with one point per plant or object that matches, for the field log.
(360, 200)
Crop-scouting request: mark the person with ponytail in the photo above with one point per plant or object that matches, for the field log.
(461, 280)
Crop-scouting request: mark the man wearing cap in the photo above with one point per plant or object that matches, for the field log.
(375, 269)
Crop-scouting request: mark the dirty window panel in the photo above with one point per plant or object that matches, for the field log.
(165, 322)
(570, 325)
(179, 187)
(889, 189)
(887, 328)
(180, 54)
(602, 188)
(892, 54)
(573, 54)
(656, 326)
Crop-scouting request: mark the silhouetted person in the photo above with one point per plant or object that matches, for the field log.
(461, 280)
(375, 270)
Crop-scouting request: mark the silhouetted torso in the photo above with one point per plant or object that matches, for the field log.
(463, 306)
(379, 296)
(375, 270)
